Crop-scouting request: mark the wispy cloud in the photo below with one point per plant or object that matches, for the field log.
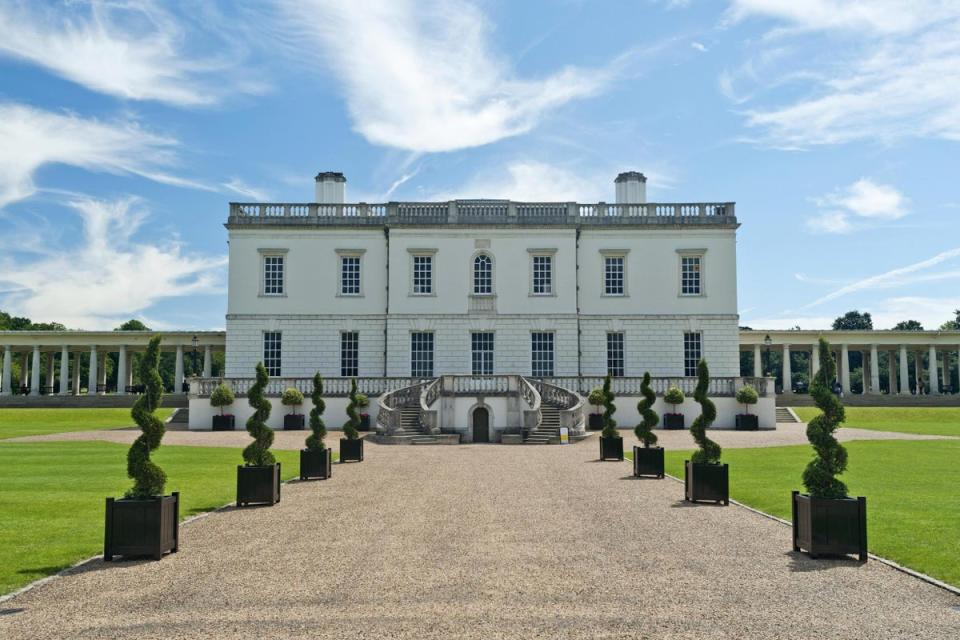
(238, 186)
(107, 276)
(699, 46)
(863, 201)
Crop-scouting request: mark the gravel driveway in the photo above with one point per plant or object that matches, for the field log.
(484, 541)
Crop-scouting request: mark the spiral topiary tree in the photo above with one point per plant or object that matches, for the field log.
(257, 452)
(649, 417)
(709, 452)
(609, 424)
(315, 440)
(148, 479)
(352, 425)
(820, 476)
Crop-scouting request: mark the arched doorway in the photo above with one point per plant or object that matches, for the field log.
(481, 425)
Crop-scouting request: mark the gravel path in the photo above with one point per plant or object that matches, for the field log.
(484, 541)
(287, 440)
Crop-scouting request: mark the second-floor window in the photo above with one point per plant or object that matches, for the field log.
(613, 277)
(350, 354)
(422, 275)
(690, 275)
(541, 354)
(350, 275)
(542, 275)
(273, 275)
(615, 357)
(421, 354)
(482, 275)
(272, 352)
(481, 350)
(692, 351)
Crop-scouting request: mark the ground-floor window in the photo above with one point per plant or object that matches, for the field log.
(350, 354)
(692, 350)
(271, 352)
(541, 354)
(481, 348)
(421, 354)
(615, 354)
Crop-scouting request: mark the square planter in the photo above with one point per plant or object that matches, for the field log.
(364, 422)
(830, 526)
(673, 421)
(648, 461)
(142, 527)
(748, 422)
(611, 448)
(595, 422)
(351, 450)
(224, 423)
(706, 482)
(258, 485)
(316, 465)
(293, 422)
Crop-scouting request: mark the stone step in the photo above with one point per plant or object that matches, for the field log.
(785, 415)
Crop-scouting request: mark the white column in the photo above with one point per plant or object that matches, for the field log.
(208, 362)
(64, 371)
(757, 362)
(130, 372)
(178, 371)
(6, 381)
(35, 372)
(787, 373)
(874, 370)
(845, 371)
(76, 373)
(904, 371)
(92, 373)
(892, 372)
(122, 370)
(815, 363)
(934, 372)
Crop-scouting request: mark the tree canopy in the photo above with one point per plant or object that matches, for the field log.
(853, 321)
(908, 325)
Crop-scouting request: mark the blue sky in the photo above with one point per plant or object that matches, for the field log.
(127, 126)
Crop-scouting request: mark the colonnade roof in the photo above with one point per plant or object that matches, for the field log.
(106, 339)
(888, 338)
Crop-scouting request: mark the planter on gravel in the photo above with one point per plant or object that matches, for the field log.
(293, 422)
(316, 465)
(648, 461)
(596, 421)
(830, 526)
(226, 422)
(706, 482)
(351, 450)
(611, 448)
(673, 421)
(747, 422)
(258, 485)
(147, 527)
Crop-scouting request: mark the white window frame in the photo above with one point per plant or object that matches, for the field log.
(358, 255)
(356, 357)
(473, 274)
(622, 355)
(474, 353)
(605, 255)
(268, 362)
(700, 254)
(423, 253)
(433, 352)
(553, 354)
(543, 253)
(691, 338)
(273, 253)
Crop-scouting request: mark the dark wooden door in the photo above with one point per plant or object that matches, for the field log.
(481, 425)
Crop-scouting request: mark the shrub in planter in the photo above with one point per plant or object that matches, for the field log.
(747, 421)
(315, 459)
(595, 399)
(705, 478)
(351, 447)
(674, 396)
(611, 444)
(362, 403)
(258, 481)
(825, 520)
(144, 522)
(293, 421)
(648, 460)
(222, 397)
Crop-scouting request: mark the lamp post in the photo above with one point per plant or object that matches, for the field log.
(196, 343)
(766, 356)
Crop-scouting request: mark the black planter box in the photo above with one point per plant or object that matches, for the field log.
(258, 485)
(364, 422)
(293, 422)
(351, 450)
(673, 421)
(830, 526)
(648, 461)
(596, 421)
(706, 482)
(611, 448)
(747, 422)
(224, 423)
(142, 527)
(316, 465)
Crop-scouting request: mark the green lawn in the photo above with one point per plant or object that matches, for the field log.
(52, 497)
(32, 422)
(940, 421)
(913, 514)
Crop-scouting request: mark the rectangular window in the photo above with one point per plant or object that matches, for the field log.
(350, 354)
(692, 349)
(613, 275)
(421, 354)
(690, 275)
(422, 275)
(271, 352)
(272, 275)
(541, 354)
(542, 275)
(615, 354)
(481, 348)
(350, 275)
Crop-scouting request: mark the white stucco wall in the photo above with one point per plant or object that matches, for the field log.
(628, 417)
(201, 413)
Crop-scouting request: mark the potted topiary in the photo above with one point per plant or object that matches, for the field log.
(611, 444)
(747, 396)
(144, 522)
(362, 403)
(316, 459)
(258, 481)
(648, 460)
(351, 447)
(825, 520)
(222, 397)
(674, 396)
(293, 421)
(595, 399)
(705, 478)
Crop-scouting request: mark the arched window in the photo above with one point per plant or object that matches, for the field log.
(482, 275)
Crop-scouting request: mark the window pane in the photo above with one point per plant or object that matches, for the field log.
(273, 275)
(691, 352)
(349, 354)
(543, 274)
(690, 275)
(350, 275)
(482, 275)
(482, 353)
(541, 351)
(613, 276)
(271, 352)
(423, 274)
(421, 355)
(615, 354)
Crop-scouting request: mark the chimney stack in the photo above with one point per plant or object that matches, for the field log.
(631, 188)
(331, 187)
